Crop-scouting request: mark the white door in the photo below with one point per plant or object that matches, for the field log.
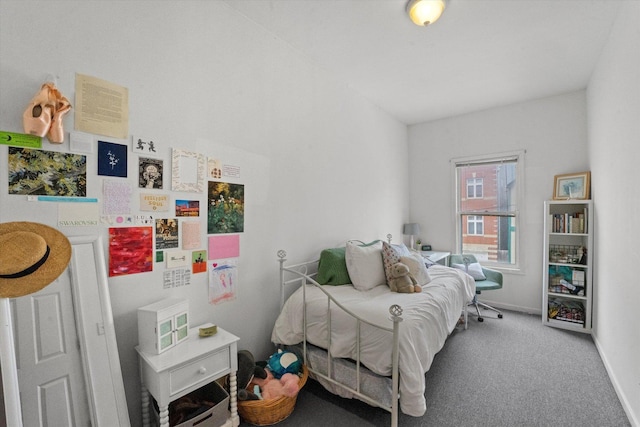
(50, 373)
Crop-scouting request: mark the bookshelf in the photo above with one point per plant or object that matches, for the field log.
(567, 289)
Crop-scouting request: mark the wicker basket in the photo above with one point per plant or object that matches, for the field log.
(272, 411)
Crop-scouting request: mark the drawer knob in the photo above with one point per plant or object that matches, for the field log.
(202, 370)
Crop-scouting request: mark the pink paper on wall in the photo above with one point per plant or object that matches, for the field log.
(224, 246)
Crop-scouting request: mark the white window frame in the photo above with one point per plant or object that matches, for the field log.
(476, 182)
(477, 219)
(518, 214)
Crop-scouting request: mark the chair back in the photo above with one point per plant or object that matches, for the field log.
(465, 259)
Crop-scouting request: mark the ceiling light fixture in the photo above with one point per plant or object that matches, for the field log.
(425, 12)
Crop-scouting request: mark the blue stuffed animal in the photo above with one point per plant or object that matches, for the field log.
(284, 362)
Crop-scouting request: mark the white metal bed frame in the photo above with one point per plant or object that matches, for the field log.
(299, 274)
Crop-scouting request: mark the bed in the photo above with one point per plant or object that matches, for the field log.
(367, 342)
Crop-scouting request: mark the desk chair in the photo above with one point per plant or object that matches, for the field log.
(493, 280)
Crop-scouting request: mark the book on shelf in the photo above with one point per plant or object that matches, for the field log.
(575, 222)
(577, 277)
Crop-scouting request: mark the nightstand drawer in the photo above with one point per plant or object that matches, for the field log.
(199, 370)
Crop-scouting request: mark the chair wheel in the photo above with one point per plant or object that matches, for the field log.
(499, 316)
(480, 319)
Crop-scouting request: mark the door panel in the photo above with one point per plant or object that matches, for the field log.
(68, 367)
(52, 389)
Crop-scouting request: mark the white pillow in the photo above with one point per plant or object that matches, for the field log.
(417, 268)
(364, 264)
(475, 270)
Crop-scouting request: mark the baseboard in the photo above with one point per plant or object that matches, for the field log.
(633, 419)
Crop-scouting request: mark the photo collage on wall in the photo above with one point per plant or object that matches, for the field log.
(146, 226)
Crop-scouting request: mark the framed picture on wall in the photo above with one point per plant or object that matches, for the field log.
(572, 186)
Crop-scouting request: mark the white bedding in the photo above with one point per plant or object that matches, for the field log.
(428, 318)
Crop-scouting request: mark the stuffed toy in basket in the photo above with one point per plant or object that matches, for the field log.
(270, 395)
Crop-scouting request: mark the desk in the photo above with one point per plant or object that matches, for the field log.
(440, 257)
(187, 367)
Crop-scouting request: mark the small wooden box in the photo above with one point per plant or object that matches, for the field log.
(163, 324)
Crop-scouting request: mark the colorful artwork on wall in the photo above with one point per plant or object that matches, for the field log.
(187, 208)
(166, 233)
(130, 250)
(199, 261)
(47, 173)
(223, 279)
(226, 208)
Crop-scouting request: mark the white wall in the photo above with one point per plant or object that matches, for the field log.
(319, 163)
(614, 149)
(553, 133)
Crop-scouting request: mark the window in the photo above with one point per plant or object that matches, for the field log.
(474, 188)
(487, 207)
(475, 225)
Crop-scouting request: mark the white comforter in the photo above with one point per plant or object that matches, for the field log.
(428, 319)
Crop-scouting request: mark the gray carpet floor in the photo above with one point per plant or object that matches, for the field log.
(502, 372)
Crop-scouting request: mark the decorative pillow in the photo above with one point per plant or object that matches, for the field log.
(390, 255)
(417, 268)
(364, 263)
(475, 270)
(332, 268)
(428, 263)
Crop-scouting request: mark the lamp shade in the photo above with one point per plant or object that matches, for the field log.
(425, 12)
(412, 229)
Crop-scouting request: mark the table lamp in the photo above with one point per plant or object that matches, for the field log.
(411, 229)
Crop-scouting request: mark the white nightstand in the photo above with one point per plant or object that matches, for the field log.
(187, 367)
(440, 257)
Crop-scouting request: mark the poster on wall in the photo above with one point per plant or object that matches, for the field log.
(187, 171)
(166, 233)
(154, 202)
(47, 173)
(198, 261)
(176, 278)
(190, 234)
(116, 197)
(150, 173)
(227, 246)
(223, 279)
(130, 250)
(214, 167)
(142, 145)
(112, 159)
(101, 107)
(187, 208)
(226, 208)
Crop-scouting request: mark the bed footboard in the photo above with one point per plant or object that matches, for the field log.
(302, 275)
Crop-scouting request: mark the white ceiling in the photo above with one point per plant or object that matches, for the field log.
(480, 54)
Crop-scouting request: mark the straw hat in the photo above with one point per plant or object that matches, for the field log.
(31, 256)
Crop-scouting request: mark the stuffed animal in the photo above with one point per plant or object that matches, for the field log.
(248, 370)
(402, 281)
(272, 388)
(284, 362)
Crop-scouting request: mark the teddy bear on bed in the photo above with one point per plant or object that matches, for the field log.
(401, 279)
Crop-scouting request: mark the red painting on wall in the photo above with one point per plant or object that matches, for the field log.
(130, 250)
